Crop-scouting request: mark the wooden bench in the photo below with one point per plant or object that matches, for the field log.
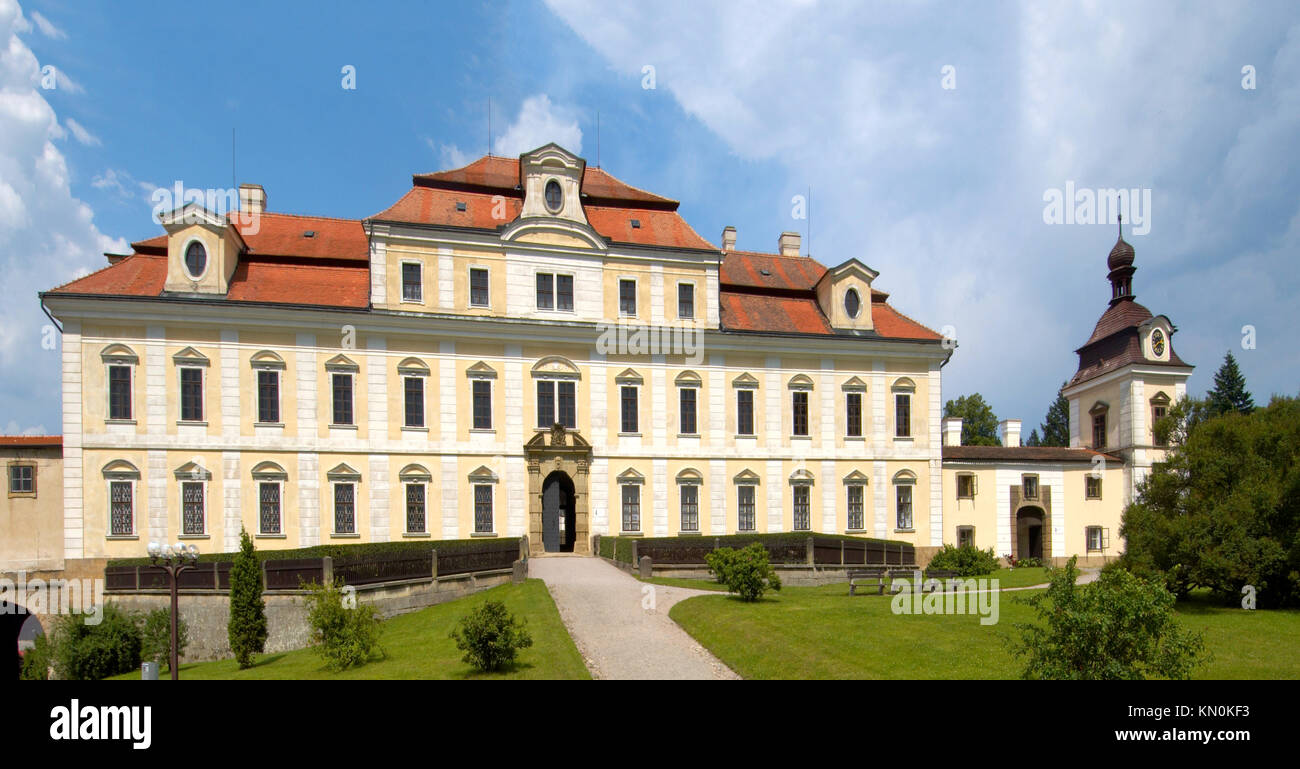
(908, 573)
(869, 578)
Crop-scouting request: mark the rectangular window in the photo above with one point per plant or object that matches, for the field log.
(690, 507)
(122, 509)
(119, 392)
(412, 285)
(903, 496)
(965, 536)
(415, 520)
(345, 511)
(268, 397)
(342, 399)
(1092, 486)
(192, 395)
(686, 400)
(483, 509)
(685, 301)
(545, 291)
(482, 404)
(1029, 486)
(745, 507)
(627, 298)
(269, 513)
(630, 410)
(965, 486)
(545, 405)
(800, 402)
(902, 415)
(1158, 413)
(802, 508)
(413, 389)
(478, 287)
(568, 405)
(22, 479)
(745, 412)
(853, 412)
(1096, 537)
(1099, 431)
(192, 508)
(631, 507)
(564, 292)
(857, 508)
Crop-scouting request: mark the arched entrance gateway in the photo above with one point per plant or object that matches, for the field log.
(1030, 539)
(558, 515)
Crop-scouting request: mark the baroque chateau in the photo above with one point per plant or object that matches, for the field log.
(460, 365)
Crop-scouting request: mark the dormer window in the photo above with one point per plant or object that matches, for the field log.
(852, 303)
(196, 259)
(554, 196)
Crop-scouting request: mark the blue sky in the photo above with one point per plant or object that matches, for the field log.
(940, 189)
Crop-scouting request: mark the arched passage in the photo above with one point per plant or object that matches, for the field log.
(1030, 531)
(559, 517)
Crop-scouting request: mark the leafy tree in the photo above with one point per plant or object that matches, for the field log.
(342, 632)
(1223, 512)
(156, 637)
(1229, 392)
(1120, 627)
(1056, 425)
(491, 636)
(746, 572)
(89, 652)
(979, 426)
(247, 626)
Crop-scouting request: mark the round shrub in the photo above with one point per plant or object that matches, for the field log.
(746, 572)
(490, 636)
(967, 561)
(343, 632)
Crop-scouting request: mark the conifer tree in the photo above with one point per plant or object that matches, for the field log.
(1056, 425)
(1229, 393)
(247, 626)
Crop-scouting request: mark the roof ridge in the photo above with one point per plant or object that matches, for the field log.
(305, 216)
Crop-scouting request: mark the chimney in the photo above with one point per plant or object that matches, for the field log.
(789, 243)
(1009, 430)
(952, 431)
(252, 198)
(728, 238)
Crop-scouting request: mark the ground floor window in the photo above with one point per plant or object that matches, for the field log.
(122, 512)
(1096, 538)
(22, 479)
(483, 509)
(415, 518)
(965, 536)
(857, 508)
(690, 494)
(631, 507)
(345, 510)
(192, 523)
(903, 497)
(745, 508)
(802, 508)
(269, 514)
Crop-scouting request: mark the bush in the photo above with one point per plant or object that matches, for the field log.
(1120, 627)
(967, 561)
(1029, 563)
(247, 626)
(490, 636)
(344, 633)
(85, 652)
(156, 637)
(353, 551)
(746, 572)
(38, 660)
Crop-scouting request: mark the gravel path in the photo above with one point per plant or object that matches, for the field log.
(621, 624)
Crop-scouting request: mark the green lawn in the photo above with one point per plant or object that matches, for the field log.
(693, 584)
(822, 632)
(418, 646)
(1006, 578)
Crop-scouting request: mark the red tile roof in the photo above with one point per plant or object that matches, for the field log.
(750, 268)
(1121, 315)
(758, 312)
(16, 441)
(1115, 343)
(502, 175)
(1024, 454)
(309, 284)
(274, 234)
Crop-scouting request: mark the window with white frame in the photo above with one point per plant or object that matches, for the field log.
(631, 494)
(191, 394)
(857, 519)
(413, 400)
(802, 507)
(686, 410)
(482, 403)
(557, 403)
(269, 479)
(554, 291)
(268, 397)
(22, 479)
(345, 508)
(746, 519)
(686, 301)
(341, 388)
(1097, 538)
(416, 521)
(853, 414)
(902, 415)
(629, 409)
(120, 362)
(412, 282)
(744, 411)
(193, 522)
(903, 483)
(122, 508)
(690, 506)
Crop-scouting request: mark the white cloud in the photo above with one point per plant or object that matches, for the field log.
(47, 236)
(47, 28)
(449, 155)
(80, 133)
(941, 190)
(539, 122)
(123, 184)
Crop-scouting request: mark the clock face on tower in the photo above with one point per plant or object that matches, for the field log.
(1158, 343)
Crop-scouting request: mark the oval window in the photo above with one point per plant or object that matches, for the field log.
(852, 304)
(196, 258)
(554, 196)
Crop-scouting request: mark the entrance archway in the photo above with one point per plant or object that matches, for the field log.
(559, 518)
(1030, 532)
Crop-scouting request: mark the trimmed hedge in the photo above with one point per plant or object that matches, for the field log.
(783, 547)
(338, 552)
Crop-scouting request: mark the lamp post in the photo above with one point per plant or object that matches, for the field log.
(173, 559)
